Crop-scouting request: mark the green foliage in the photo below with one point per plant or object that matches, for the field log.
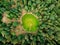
(48, 12)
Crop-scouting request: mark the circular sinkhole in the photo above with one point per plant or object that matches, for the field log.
(30, 23)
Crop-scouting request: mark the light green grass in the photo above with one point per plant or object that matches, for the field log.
(30, 22)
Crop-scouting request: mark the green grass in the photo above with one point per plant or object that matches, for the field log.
(30, 23)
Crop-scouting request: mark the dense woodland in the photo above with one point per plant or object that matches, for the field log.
(48, 13)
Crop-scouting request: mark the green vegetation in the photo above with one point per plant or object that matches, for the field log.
(30, 23)
(48, 13)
